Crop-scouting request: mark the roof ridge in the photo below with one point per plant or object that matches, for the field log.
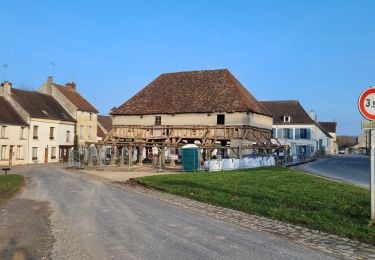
(31, 91)
(192, 71)
(287, 100)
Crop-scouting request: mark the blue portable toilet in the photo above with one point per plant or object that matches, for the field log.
(190, 158)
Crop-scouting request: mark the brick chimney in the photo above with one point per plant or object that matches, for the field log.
(49, 85)
(6, 88)
(71, 85)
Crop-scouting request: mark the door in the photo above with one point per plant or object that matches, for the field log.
(46, 155)
(11, 155)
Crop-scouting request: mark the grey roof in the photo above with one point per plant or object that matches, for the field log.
(40, 105)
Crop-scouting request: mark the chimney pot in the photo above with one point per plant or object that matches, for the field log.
(7, 88)
(71, 85)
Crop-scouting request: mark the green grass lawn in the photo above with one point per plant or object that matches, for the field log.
(279, 193)
(10, 185)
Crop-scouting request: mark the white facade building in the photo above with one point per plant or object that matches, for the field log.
(13, 135)
(292, 126)
(49, 134)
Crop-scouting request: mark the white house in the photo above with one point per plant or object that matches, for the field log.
(51, 128)
(330, 127)
(293, 126)
(13, 134)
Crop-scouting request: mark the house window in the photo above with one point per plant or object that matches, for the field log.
(90, 116)
(3, 152)
(90, 132)
(51, 133)
(35, 132)
(303, 133)
(22, 133)
(53, 152)
(67, 136)
(3, 131)
(19, 153)
(286, 119)
(35, 154)
(81, 132)
(157, 120)
(220, 120)
(287, 133)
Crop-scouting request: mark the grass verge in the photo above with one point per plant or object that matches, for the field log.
(279, 193)
(9, 186)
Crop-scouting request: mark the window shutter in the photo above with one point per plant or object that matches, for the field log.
(308, 133)
(274, 132)
(297, 133)
(280, 133)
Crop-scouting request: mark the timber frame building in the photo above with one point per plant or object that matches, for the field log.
(209, 108)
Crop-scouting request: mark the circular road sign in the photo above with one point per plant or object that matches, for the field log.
(366, 103)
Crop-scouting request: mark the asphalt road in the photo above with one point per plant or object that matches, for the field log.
(354, 169)
(93, 220)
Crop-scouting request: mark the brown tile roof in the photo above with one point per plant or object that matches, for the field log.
(106, 122)
(73, 96)
(40, 105)
(330, 127)
(192, 92)
(100, 132)
(292, 108)
(9, 115)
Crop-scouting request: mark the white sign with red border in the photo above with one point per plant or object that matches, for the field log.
(366, 103)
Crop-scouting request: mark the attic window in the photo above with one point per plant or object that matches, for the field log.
(157, 120)
(286, 119)
(44, 112)
(220, 119)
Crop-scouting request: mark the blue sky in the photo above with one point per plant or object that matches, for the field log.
(321, 53)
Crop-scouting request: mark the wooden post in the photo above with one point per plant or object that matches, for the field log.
(130, 163)
(162, 156)
(113, 161)
(155, 158)
(140, 155)
(173, 150)
(122, 156)
(99, 155)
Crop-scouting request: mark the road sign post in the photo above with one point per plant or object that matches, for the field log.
(366, 105)
(372, 181)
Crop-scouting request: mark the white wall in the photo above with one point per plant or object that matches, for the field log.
(13, 138)
(199, 119)
(44, 141)
(316, 134)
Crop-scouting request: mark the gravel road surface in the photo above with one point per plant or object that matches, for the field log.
(89, 219)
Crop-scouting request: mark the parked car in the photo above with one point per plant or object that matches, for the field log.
(341, 151)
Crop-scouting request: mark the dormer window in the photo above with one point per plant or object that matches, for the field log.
(286, 119)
